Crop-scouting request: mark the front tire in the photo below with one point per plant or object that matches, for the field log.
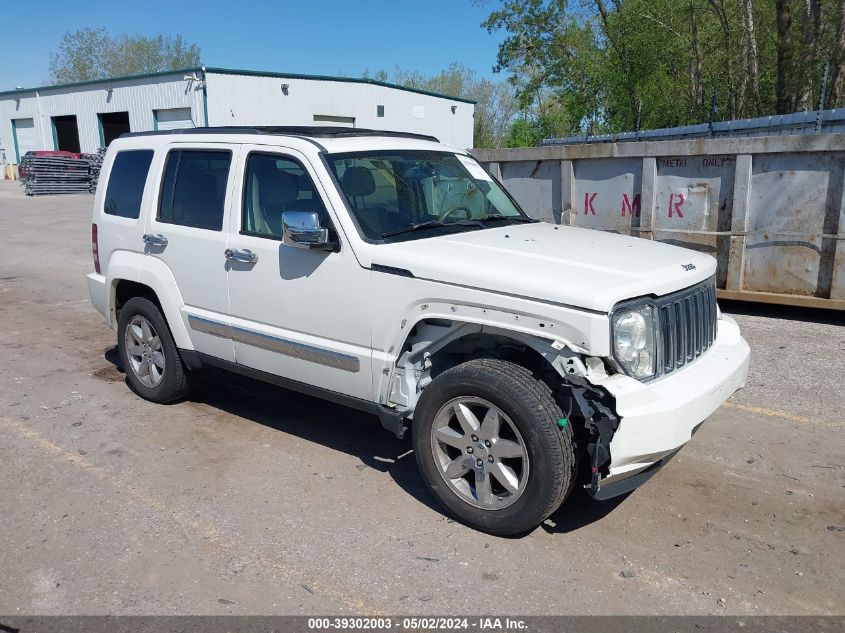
(488, 445)
(154, 369)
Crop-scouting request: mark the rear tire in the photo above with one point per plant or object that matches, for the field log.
(154, 369)
(529, 462)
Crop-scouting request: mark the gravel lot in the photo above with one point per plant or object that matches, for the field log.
(249, 499)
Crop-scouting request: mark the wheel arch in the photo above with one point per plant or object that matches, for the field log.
(492, 342)
(433, 345)
(135, 274)
(588, 408)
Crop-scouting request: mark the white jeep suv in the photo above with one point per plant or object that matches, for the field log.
(393, 274)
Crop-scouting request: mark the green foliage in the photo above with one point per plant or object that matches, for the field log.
(602, 66)
(89, 54)
(524, 133)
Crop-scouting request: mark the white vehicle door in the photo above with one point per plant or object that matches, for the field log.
(296, 313)
(189, 233)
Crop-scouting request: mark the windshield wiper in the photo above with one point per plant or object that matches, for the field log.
(468, 222)
(496, 217)
(415, 227)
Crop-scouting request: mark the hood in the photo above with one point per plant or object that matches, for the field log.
(560, 264)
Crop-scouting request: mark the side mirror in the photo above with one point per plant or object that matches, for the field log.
(302, 229)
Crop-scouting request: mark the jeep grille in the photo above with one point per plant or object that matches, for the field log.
(687, 325)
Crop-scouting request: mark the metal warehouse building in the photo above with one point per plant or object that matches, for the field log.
(88, 115)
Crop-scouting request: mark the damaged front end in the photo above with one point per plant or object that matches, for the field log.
(595, 420)
(434, 345)
(591, 411)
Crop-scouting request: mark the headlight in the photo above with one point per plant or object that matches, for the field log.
(634, 341)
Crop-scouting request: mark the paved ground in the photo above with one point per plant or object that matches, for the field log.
(249, 499)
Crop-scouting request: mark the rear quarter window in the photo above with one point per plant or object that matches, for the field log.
(126, 183)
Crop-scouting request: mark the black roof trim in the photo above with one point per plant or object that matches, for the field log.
(286, 130)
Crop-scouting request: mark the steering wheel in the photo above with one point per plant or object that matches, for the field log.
(449, 212)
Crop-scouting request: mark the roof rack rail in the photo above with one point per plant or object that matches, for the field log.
(287, 130)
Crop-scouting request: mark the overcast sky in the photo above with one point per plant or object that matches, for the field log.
(328, 37)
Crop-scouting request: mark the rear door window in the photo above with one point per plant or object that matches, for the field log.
(193, 191)
(126, 183)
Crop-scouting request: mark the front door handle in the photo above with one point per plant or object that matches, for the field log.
(155, 240)
(246, 256)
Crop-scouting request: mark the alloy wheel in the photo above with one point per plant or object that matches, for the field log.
(143, 348)
(479, 452)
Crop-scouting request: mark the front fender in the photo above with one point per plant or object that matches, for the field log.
(547, 335)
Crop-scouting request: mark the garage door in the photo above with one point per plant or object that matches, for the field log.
(24, 131)
(173, 119)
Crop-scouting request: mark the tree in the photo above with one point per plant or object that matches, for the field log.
(783, 11)
(549, 50)
(837, 95)
(749, 53)
(607, 64)
(523, 134)
(810, 33)
(89, 54)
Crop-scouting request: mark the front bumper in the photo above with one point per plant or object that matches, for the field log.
(611, 488)
(657, 418)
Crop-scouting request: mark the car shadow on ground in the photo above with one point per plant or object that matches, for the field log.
(353, 432)
(579, 511)
(334, 426)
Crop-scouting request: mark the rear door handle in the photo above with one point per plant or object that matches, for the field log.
(155, 240)
(246, 256)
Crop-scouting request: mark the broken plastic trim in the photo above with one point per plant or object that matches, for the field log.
(600, 423)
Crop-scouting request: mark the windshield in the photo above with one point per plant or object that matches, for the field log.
(404, 194)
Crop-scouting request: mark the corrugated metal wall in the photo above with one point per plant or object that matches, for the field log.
(771, 210)
(139, 97)
(234, 99)
(260, 100)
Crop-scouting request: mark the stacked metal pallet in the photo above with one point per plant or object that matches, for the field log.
(95, 162)
(55, 175)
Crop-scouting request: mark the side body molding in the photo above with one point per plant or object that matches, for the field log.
(294, 349)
